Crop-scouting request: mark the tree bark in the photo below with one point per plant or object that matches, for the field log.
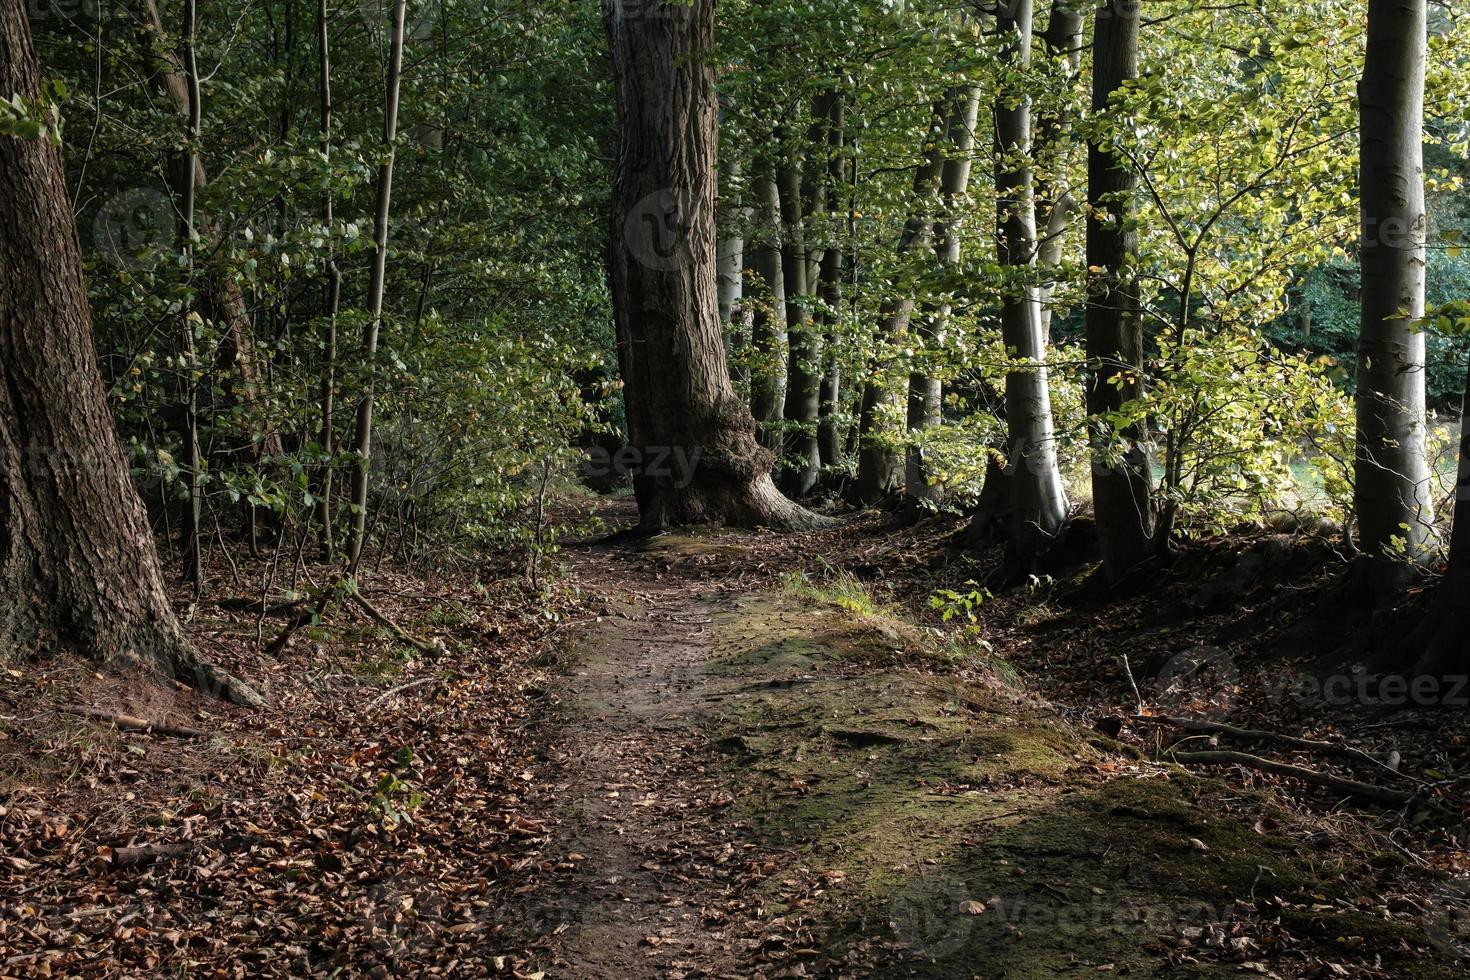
(829, 291)
(1054, 201)
(926, 390)
(78, 566)
(332, 294)
(768, 324)
(363, 439)
(1039, 504)
(696, 438)
(730, 270)
(800, 462)
(193, 547)
(1122, 489)
(1392, 471)
(1441, 646)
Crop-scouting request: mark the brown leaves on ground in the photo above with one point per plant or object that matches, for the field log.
(342, 828)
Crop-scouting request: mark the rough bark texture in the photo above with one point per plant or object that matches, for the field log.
(1122, 493)
(78, 567)
(1393, 498)
(661, 267)
(1039, 504)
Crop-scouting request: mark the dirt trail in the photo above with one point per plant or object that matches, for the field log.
(652, 889)
(769, 784)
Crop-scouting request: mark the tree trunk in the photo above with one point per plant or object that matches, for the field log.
(193, 533)
(926, 390)
(829, 291)
(696, 438)
(77, 563)
(880, 458)
(221, 301)
(1039, 504)
(1443, 646)
(768, 325)
(1054, 201)
(730, 270)
(363, 439)
(332, 298)
(1122, 480)
(1392, 471)
(800, 462)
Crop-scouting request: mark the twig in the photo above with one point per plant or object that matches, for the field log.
(1137, 697)
(132, 723)
(412, 684)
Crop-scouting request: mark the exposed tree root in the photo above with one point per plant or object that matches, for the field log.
(1352, 787)
(1259, 735)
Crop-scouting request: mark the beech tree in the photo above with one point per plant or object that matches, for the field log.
(79, 565)
(1037, 501)
(699, 460)
(1394, 510)
(1122, 481)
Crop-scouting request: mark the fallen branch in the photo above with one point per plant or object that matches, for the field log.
(1352, 787)
(261, 606)
(132, 723)
(422, 646)
(1260, 735)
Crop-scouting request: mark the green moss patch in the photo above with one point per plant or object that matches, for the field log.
(964, 831)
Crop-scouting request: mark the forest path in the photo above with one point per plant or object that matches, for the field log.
(751, 781)
(654, 889)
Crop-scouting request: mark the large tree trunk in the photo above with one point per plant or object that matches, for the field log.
(1392, 494)
(1039, 504)
(77, 562)
(696, 438)
(1122, 481)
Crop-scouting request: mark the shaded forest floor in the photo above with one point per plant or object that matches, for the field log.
(725, 754)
